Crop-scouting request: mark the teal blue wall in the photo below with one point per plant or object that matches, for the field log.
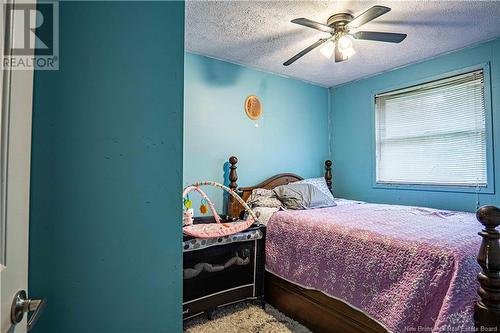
(291, 137)
(351, 128)
(105, 233)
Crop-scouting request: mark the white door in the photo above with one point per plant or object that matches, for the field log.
(15, 141)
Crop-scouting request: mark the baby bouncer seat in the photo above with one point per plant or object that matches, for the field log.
(210, 230)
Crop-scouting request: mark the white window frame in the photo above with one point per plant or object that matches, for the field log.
(489, 188)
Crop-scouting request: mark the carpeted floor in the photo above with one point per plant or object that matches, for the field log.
(244, 318)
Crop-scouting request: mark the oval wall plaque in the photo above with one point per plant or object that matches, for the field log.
(253, 107)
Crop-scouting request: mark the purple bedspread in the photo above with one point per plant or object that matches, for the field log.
(412, 269)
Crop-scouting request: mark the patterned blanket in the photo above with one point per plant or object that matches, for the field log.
(412, 269)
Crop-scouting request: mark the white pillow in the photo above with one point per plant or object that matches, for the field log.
(319, 183)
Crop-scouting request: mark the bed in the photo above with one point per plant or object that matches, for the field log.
(361, 267)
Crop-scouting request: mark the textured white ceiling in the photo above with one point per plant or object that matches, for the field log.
(259, 34)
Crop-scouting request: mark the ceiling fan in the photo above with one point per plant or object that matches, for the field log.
(342, 27)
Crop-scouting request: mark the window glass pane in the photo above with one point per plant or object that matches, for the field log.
(433, 133)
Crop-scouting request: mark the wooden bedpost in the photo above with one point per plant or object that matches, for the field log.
(233, 178)
(487, 309)
(328, 174)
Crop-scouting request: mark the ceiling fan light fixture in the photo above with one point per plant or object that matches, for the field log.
(345, 46)
(342, 27)
(345, 42)
(348, 53)
(327, 49)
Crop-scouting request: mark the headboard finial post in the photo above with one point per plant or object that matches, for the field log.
(232, 205)
(328, 174)
(487, 309)
(233, 176)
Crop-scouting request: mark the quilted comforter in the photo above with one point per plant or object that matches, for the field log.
(412, 269)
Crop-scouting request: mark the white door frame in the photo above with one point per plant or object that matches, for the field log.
(15, 176)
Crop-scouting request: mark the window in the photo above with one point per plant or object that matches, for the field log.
(433, 133)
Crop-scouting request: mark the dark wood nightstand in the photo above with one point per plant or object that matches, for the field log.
(223, 270)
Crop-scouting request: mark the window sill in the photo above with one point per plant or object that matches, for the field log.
(435, 188)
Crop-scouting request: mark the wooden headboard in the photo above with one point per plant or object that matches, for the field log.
(234, 208)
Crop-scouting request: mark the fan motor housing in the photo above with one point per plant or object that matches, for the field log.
(339, 20)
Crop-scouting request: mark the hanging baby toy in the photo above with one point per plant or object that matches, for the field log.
(188, 211)
(209, 230)
(203, 206)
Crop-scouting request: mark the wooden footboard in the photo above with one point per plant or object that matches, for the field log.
(487, 310)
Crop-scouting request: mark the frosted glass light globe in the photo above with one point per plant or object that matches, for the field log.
(345, 43)
(345, 46)
(327, 49)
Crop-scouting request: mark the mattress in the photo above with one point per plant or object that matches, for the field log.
(409, 268)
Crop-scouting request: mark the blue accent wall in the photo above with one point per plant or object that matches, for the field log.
(292, 135)
(352, 149)
(106, 179)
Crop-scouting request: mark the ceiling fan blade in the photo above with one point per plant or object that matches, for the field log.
(339, 56)
(313, 24)
(388, 37)
(367, 16)
(305, 51)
